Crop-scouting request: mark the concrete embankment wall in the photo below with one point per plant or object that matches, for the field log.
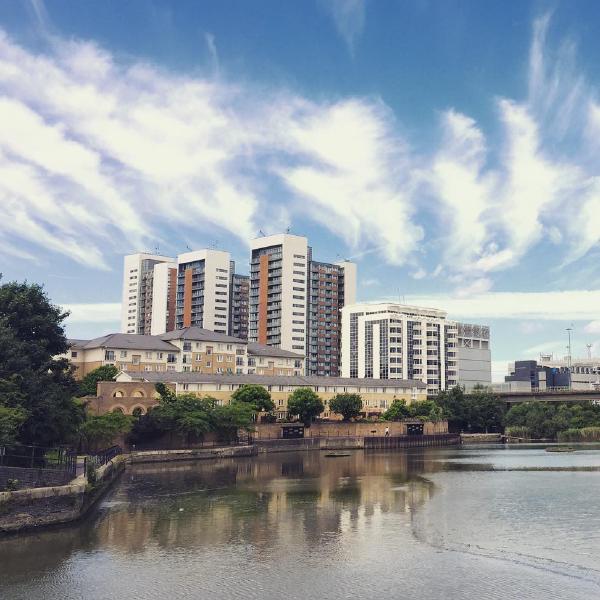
(151, 456)
(268, 431)
(36, 507)
(481, 438)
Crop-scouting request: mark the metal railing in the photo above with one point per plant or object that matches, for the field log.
(37, 466)
(38, 457)
(102, 457)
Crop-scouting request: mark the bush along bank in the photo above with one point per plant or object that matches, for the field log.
(563, 421)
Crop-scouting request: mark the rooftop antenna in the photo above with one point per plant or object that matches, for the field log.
(261, 232)
(214, 244)
(188, 247)
(568, 330)
(589, 350)
(287, 229)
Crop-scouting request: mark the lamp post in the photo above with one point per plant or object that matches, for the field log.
(569, 329)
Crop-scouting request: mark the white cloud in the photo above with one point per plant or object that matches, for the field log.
(124, 153)
(109, 312)
(499, 370)
(348, 17)
(419, 274)
(557, 347)
(566, 305)
(357, 176)
(477, 286)
(592, 327)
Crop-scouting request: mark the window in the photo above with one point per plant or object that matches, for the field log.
(148, 354)
(109, 355)
(123, 354)
(73, 354)
(219, 358)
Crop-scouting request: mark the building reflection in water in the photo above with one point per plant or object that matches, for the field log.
(266, 503)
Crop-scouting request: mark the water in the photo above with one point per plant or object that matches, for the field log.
(429, 523)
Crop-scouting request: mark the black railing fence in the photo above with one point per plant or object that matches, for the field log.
(36, 466)
(38, 457)
(100, 458)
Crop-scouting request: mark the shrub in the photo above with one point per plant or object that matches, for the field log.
(518, 431)
(585, 434)
(12, 485)
(91, 473)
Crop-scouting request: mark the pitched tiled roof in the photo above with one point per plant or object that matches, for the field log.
(262, 350)
(128, 341)
(201, 335)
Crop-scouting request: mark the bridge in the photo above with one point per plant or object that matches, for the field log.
(552, 395)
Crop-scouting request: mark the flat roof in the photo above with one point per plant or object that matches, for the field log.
(297, 380)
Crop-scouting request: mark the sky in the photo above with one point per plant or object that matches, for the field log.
(450, 148)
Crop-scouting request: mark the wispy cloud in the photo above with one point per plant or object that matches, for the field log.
(563, 306)
(348, 17)
(112, 154)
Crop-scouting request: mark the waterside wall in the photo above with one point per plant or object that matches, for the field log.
(37, 507)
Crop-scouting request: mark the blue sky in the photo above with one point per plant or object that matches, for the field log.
(450, 148)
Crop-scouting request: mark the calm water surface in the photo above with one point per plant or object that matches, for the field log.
(434, 523)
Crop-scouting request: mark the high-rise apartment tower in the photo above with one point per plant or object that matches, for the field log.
(294, 301)
(148, 295)
(203, 280)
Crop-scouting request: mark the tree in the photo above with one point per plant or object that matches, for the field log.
(347, 405)
(11, 420)
(187, 414)
(88, 385)
(306, 404)
(31, 378)
(102, 430)
(229, 419)
(255, 395)
(426, 410)
(397, 411)
(477, 411)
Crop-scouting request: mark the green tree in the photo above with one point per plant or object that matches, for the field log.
(229, 419)
(11, 420)
(477, 411)
(305, 404)
(31, 377)
(426, 410)
(347, 405)
(187, 414)
(88, 385)
(397, 411)
(102, 430)
(254, 395)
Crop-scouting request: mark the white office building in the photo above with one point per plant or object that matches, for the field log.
(474, 355)
(396, 341)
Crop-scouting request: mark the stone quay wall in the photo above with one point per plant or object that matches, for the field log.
(331, 429)
(36, 507)
(32, 477)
